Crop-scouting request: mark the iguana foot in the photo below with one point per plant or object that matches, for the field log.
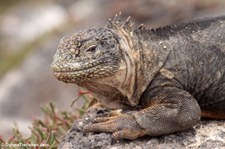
(122, 127)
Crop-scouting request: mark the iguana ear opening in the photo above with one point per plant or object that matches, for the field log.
(118, 25)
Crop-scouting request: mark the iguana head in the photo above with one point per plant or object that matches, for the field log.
(87, 55)
(90, 54)
(100, 57)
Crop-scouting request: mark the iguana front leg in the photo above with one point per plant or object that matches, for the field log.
(169, 110)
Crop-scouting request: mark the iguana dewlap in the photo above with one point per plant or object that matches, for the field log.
(175, 75)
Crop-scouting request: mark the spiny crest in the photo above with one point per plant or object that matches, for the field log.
(117, 23)
(141, 27)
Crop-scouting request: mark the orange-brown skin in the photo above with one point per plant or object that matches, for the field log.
(213, 115)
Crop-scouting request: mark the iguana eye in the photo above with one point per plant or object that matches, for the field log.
(91, 49)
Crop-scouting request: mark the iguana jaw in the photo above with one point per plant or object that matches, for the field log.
(78, 72)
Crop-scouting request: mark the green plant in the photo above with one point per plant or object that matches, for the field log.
(49, 130)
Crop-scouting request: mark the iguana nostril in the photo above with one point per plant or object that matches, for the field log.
(55, 67)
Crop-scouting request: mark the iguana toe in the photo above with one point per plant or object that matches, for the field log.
(122, 127)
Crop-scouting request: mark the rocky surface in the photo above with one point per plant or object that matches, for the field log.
(208, 134)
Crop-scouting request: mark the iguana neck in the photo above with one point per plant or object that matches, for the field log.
(153, 53)
(143, 56)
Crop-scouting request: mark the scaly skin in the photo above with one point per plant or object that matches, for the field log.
(168, 78)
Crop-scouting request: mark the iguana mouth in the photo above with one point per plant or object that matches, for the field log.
(70, 68)
(76, 72)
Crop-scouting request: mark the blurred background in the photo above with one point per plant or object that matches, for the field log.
(31, 30)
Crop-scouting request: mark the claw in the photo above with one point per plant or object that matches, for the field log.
(116, 112)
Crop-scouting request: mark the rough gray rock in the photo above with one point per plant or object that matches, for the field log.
(206, 135)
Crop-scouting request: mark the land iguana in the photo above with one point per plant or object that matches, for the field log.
(169, 77)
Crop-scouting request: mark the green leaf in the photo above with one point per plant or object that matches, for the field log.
(42, 124)
(52, 107)
(51, 139)
(40, 133)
